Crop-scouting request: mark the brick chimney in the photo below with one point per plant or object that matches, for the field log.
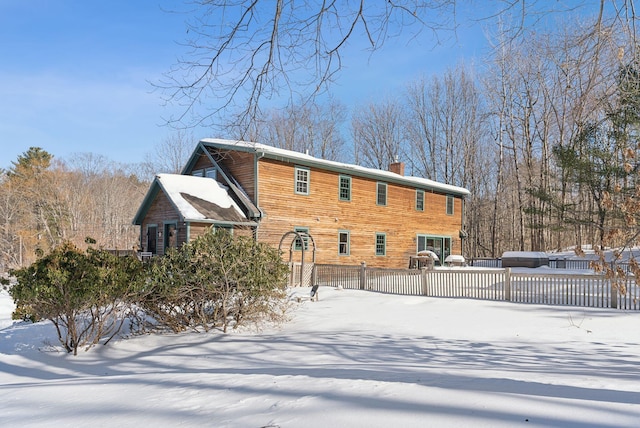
(397, 167)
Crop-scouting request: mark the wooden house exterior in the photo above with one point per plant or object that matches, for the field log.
(353, 214)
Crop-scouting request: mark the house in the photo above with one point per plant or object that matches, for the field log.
(352, 214)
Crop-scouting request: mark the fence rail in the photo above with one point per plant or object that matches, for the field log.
(590, 290)
(395, 281)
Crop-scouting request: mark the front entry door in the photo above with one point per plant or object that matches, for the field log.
(152, 233)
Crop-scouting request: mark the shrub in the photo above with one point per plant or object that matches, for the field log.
(216, 280)
(84, 294)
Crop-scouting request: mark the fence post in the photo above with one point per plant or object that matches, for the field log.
(292, 270)
(314, 275)
(363, 275)
(423, 280)
(507, 284)
(614, 294)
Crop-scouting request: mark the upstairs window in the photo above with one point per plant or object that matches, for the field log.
(419, 200)
(450, 201)
(381, 193)
(210, 172)
(345, 188)
(302, 181)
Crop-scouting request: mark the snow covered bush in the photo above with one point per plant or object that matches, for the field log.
(216, 280)
(84, 293)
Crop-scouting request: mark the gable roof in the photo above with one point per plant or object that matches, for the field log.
(195, 199)
(269, 152)
(235, 188)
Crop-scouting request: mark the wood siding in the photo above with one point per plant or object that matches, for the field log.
(160, 213)
(325, 215)
(198, 229)
(202, 162)
(237, 165)
(241, 166)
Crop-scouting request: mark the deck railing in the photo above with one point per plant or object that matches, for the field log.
(557, 263)
(590, 290)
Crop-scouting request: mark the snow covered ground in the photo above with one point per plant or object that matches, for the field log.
(352, 359)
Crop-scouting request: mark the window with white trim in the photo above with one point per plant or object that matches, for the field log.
(302, 181)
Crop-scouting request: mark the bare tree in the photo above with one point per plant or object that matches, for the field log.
(447, 141)
(169, 155)
(244, 51)
(307, 128)
(10, 210)
(377, 132)
(444, 127)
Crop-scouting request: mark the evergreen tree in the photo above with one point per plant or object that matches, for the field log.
(600, 161)
(31, 163)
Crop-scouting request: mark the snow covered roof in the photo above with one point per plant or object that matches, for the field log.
(289, 155)
(200, 198)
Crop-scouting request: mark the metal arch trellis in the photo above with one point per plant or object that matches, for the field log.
(303, 237)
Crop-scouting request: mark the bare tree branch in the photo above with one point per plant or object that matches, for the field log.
(245, 52)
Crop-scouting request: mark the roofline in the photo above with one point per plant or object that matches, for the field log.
(192, 159)
(289, 156)
(218, 222)
(154, 189)
(250, 209)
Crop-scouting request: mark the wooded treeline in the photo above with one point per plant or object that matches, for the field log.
(544, 133)
(45, 202)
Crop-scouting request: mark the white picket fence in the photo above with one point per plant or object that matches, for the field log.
(590, 290)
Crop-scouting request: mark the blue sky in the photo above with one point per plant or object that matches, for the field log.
(74, 74)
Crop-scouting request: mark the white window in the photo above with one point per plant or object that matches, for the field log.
(302, 181)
